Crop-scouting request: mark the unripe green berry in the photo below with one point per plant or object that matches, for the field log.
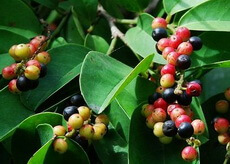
(158, 129)
(22, 51)
(59, 130)
(102, 127)
(75, 121)
(60, 145)
(102, 118)
(98, 133)
(86, 131)
(165, 139)
(84, 112)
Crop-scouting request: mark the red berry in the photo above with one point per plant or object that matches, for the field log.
(172, 58)
(147, 109)
(160, 89)
(198, 126)
(32, 49)
(172, 107)
(227, 94)
(168, 69)
(159, 22)
(189, 153)
(193, 89)
(222, 106)
(184, 33)
(166, 51)
(37, 41)
(160, 103)
(221, 125)
(167, 80)
(33, 62)
(185, 48)
(12, 86)
(182, 118)
(224, 138)
(159, 115)
(176, 113)
(163, 43)
(150, 122)
(175, 40)
(8, 73)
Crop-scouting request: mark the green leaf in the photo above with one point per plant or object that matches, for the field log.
(47, 155)
(50, 4)
(144, 147)
(45, 132)
(175, 6)
(96, 43)
(15, 14)
(134, 5)
(12, 112)
(142, 32)
(5, 156)
(26, 131)
(117, 76)
(5, 60)
(64, 66)
(60, 41)
(209, 16)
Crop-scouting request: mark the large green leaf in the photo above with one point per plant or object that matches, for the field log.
(140, 41)
(64, 66)
(45, 132)
(50, 3)
(18, 16)
(133, 5)
(26, 133)
(144, 147)
(96, 43)
(209, 16)
(47, 155)
(106, 82)
(12, 112)
(172, 7)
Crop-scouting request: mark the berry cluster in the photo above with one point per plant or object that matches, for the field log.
(221, 124)
(83, 126)
(31, 60)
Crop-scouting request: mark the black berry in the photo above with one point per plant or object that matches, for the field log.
(169, 128)
(43, 71)
(77, 100)
(169, 96)
(23, 84)
(184, 99)
(185, 130)
(183, 62)
(81, 141)
(196, 42)
(68, 111)
(152, 98)
(159, 33)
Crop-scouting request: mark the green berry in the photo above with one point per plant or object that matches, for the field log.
(60, 145)
(84, 112)
(158, 129)
(86, 131)
(102, 118)
(165, 139)
(76, 121)
(22, 51)
(59, 130)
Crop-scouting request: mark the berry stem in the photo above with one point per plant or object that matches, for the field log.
(168, 18)
(171, 28)
(180, 82)
(126, 21)
(112, 46)
(227, 156)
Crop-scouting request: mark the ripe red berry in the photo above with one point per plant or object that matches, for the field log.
(189, 153)
(159, 115)
(163, 43)
(60, 145)
(185, 48)
(224, 138)
(227, 94)
(172, 58)
(147, 109)
(184, 33)
(159, 22)
(168, 69)
(33, 62)
(167, 80)
(176, 113)
(193, 89)
(221, 125)
(182, 118)
(166, 51)
(8, 73)
(12, 86)
(198, 126)
(222, 106)
(175, 41)
(172, 107)
(160, 103)
(32, 49)
(37, 41)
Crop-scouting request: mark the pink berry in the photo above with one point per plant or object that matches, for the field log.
(184, 33)
(159, 22)
(172, 107)
(166, 51)
(185, 48)
(159, 115)
(221, 125)
(8, 73)
(163, 43)
(160, 103)
(12, 86)
(176, 113)
(175, 41)
(172, 58)
(182, 118)
(167, 80)
(198, 126)
(33, 62)
(168, 69)
(189, 153)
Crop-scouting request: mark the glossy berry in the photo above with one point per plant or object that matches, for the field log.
(43, 71)
(184, 33)
(183, 62)
(68, 111)
(184, 99)
(22, 51)
(185, 48)
(32, 72)
(198, 126)
(77, 100)
(165, 139)
(12, 53)
(160, 103)
(102, 127)
(182, 118)
(172, 58)
(196, 42)
(189, 153)
(34, 84)
(43, 57)
(159, 33)
(163, 43)
(193, 89)
(224, 138)
(167, 80)
(169, 96)
(158, 51)
(23, 84)
(98, 133)
(8, 73)
(152, 98)
(169, 128)
(33, 62)
(60, 145)
(166, 51)
(222, 106)
(227, 94)
(75, 121)
(175, 41)
(158, 129)
(185, 130)
(32, 49)
(86, 131)
(196, 81)
(37, 41)
(172, 107)
(102, 118)
(147, 109)
(159, 115)
(176, 113)
(221, 125)
(59, 130)
(160, 89)
(84, 112)
(12, 86)
(159, 22)
(168, 69)
(150, 122)
(81, 141)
